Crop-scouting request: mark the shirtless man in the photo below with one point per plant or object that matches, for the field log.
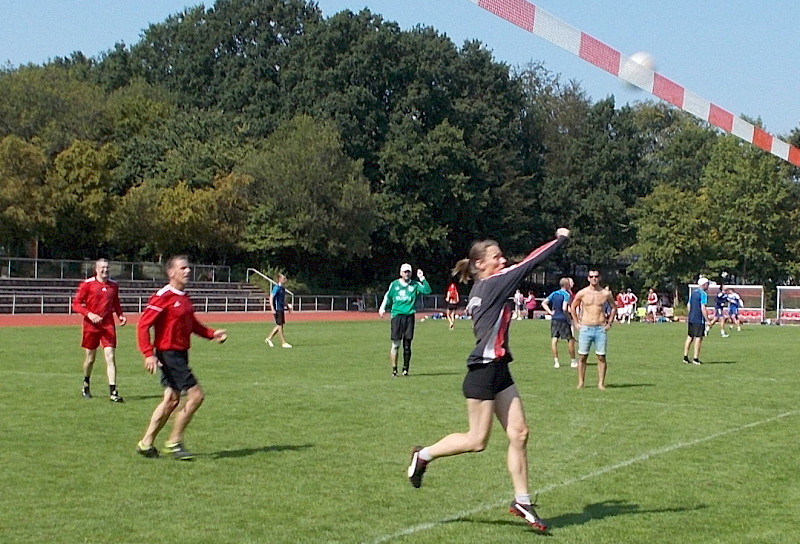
(588, 309)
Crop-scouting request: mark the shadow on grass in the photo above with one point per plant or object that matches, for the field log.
(607, 509)
(244, 452)
(626, 385)
(413, 374)
(720, 362)
(134, 398)
(597, 510)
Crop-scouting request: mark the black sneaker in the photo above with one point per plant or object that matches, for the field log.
(116, 398)
(178, 452)
(394, 373)
(528, 513)
(405, 372)
(686, 360)
(85, 393)
(697, 362)
(150, 452)
(417, 467)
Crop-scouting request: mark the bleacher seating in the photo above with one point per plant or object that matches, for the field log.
(54, 296)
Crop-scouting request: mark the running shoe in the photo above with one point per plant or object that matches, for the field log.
(696, 362)
(178, 451)
(269, 342)
(686, 360)
(116, 398)
(286, 345)
(85, 393)
(417, 467)
(146, 451)
(528, 513)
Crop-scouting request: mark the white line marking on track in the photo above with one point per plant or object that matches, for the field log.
(599, 472)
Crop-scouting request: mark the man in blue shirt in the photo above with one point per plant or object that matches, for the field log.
(277, 301)
(560, 326)
(697, 321)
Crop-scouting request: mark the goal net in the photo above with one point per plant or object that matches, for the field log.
(788, 304)
(752, 308)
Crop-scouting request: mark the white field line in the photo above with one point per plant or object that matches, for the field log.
(599, 472)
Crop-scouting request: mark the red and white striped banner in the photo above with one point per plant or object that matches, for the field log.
(541, 23)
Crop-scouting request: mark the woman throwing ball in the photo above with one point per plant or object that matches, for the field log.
(488, 385)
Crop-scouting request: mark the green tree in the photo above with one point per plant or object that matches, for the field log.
(80, 182)
(310, 202)
(50, 107)
(25, 203)
(672, 245)
(749, 200)
(592, 182)
(228, 56)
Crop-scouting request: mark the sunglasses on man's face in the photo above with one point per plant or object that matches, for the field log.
(593, 276)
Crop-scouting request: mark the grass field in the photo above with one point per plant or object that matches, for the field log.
(311, 444)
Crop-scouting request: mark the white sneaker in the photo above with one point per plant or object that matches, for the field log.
(574, 364)
(724, 335)
(556, 365)
(269, 342)
(286, 345)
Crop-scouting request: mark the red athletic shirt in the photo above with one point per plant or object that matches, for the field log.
(452, 294)
(99, 298)
(652, 299)
(171, 314)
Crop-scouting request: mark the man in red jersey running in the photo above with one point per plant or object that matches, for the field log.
(97, 300)
(170, 313)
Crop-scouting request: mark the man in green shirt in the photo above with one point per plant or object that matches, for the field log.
(401, 297)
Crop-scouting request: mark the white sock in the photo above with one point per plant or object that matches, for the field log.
(425, 455)
(522, 499)
(573, 361)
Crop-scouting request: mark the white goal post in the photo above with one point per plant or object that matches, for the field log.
(788, 304)
(752, 308)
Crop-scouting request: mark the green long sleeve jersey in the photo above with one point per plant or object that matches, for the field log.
(401, 297)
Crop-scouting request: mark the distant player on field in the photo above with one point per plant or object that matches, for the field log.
(556, 305)
(171, 314)
(720, 301)
(734, 303)
(97, 300)
(652, 306)
(696, 321)
(401, 297)
(451, 298)
(277, 301)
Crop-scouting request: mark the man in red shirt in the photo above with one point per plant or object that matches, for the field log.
(652, 305)
(171, 314)
(97, 300)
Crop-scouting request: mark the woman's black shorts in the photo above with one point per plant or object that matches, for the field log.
(485, 381)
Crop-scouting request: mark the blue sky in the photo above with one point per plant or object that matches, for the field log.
(741, 55)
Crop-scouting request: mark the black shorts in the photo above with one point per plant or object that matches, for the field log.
(484, 382)
(697, 330)
(280, 317)
(403, 327)
(560, 329)
(175, 371)
(452, 306)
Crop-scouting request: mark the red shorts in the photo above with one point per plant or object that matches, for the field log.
(96, 335)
